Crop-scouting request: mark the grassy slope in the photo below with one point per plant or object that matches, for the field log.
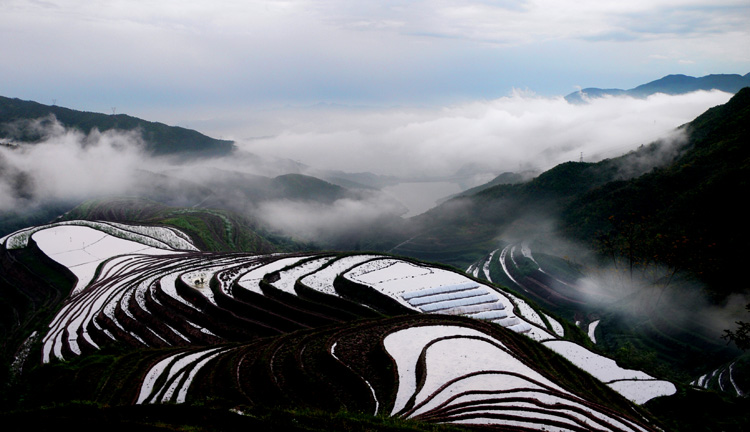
(32, 288)
(91, 417)
(210, 230)
(692, 410)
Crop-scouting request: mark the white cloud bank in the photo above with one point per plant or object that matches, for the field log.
(521, 131)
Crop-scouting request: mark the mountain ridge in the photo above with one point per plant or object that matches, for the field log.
(16, 117)
(673, 84)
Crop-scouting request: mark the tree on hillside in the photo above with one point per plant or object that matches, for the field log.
(741, 336)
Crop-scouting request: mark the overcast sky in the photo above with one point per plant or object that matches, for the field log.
(147, 55)
(222, 66)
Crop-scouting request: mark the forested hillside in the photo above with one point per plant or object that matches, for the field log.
(685, 214)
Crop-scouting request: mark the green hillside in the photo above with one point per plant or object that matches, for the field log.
(194, 187)
(463, 229)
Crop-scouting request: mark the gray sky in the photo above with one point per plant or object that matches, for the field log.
(349, 84)
(146, 56)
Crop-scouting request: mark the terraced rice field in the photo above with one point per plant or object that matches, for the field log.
(282, 327)
(470, 376)
(725, 379)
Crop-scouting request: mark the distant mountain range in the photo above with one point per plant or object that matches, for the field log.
(670, 84)
(17, 116)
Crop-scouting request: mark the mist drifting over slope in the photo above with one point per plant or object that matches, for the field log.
(68, 165)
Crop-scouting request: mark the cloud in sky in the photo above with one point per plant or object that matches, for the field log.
(137, 54)
(521, 131)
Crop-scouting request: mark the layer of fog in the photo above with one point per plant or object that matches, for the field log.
(514, 133)
(340, 223)
(69, 166)
(656, 290)
(420, 196)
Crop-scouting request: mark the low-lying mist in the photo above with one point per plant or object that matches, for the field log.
(340, 223)
(480, 139)
(649, 291)
(69, 166)
(638, 291)
(515, 133)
